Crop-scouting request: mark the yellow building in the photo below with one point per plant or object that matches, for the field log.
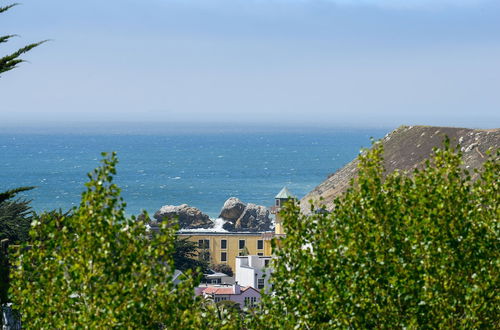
(224, 247)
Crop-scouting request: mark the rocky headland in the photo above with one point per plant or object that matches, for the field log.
(405, 149)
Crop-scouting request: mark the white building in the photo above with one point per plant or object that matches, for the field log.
(244, 296)
(253, 271)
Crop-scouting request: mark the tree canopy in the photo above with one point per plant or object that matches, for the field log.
(15, 216)
(185, 256)
(400, 250)
(97, 268)
(15, 221)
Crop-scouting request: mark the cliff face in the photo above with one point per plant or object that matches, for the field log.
(406, 148)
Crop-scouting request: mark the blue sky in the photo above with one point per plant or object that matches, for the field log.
(318, 62)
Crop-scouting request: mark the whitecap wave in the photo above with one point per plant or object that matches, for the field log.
(217, 228)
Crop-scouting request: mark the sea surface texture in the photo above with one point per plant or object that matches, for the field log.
(202, 170)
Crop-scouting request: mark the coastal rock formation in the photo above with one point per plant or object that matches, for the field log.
(245, 217)
(187, 216)
(405, 149)
(233, 208)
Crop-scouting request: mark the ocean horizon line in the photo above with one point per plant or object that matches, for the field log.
(181, 127)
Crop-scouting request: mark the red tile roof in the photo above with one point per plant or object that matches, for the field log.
(227, 290)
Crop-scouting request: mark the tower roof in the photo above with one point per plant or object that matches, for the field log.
(284, 194)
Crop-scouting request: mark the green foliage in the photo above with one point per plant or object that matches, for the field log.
(245, 252)
(9, 62)
(222, 268)
(12, 193)
(185, 256)
(397, 251)
(95, 268)
(15, 220)
(15, 216)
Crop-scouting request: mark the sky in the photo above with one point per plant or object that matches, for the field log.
(364, 63)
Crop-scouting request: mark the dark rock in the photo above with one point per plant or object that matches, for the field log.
(188, 217)
(245, 217)
(233, 208)
(229, 226)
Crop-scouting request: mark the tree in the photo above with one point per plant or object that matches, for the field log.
(415, 251)
(99, 269)
(185, 256)
(15, 220)
(9, 62)
(15, 216)
(419, 250)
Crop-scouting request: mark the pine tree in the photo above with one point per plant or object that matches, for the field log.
(15, 216)
(15, 220)
(9, 62)
(185, 256)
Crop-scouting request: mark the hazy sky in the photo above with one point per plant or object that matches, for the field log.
(332, 62)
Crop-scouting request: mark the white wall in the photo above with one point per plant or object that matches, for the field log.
(249, 269)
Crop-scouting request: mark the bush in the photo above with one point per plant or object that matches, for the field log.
(95, 268)
(397, 251)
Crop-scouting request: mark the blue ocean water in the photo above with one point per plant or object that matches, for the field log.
(202, 170)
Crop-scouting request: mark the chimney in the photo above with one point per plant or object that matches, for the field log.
(236, 288)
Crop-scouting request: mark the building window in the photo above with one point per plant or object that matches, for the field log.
(242, 244)
(223, 244)
(223, 256)
(260, 283)
(277, 202)
(204, 244)
(266, 263)
(260, 244)
(260, 254)
(217, 299)
(250, 301)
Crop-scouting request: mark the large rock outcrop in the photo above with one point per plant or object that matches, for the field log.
(187, 216)
(233, 208)
(245, 217)
(405, 149)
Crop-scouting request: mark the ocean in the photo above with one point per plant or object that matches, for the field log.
(200, 169)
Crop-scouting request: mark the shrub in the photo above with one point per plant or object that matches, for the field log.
(95, 268)
(397, 251)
